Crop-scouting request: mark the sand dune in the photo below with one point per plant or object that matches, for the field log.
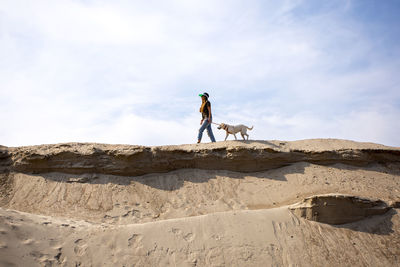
(255, 203)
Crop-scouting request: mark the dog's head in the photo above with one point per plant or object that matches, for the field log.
(222, 125)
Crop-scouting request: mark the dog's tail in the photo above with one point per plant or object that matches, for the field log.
(250, 128)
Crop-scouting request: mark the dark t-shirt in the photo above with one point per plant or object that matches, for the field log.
(205, 110)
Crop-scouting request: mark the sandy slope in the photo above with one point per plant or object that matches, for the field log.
(242, 238)
(200, 216)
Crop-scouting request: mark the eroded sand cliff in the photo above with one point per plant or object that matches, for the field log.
(255, 203)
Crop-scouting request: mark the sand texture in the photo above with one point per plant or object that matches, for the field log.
(320, 202)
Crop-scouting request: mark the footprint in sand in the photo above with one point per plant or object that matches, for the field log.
(188, 237)
(135, 240)
(57, 257)
(176, 231)
(80, 248)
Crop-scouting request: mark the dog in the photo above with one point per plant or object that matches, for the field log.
(230, 129)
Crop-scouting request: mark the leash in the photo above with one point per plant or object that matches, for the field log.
(216, 123)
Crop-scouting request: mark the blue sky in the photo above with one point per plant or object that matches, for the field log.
(130, 71)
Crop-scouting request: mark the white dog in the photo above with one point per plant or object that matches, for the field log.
(230, 129)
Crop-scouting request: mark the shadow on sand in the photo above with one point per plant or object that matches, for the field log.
(173, 180)
(170, 181)
(377, 225)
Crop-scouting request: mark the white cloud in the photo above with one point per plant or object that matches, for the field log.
(78, 23)
(119, 71)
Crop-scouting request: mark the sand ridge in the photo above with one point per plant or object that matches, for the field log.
(242, 156)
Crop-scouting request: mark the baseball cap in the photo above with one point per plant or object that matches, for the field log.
(204, 94)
